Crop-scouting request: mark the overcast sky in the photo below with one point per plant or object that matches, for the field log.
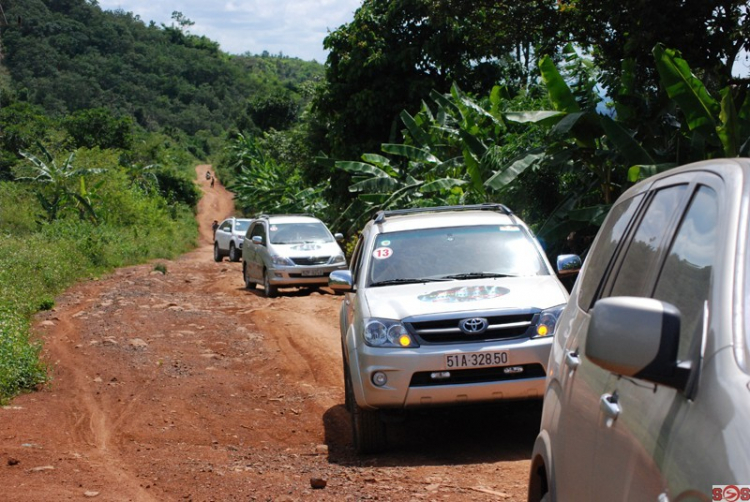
(294, 27)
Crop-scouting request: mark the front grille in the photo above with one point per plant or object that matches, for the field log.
(477, 375)
(501, 327)
(311, 260)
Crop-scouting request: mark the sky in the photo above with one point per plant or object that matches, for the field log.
(295, 28)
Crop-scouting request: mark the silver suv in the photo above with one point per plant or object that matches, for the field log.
(648, 392)
(289, 250)
(443, 306)
(228, 238)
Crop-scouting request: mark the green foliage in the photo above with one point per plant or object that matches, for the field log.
(264, 186)
(97, 127)
(71, 57)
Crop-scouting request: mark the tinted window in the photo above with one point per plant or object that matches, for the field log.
(643, 251)
(441, 252)
(226, 226)
(258, 230)
(609, 237)
(686, 275)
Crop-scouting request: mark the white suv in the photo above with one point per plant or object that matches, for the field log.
(228, 238)
(443, 306)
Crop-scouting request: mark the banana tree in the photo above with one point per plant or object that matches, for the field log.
(60, 187)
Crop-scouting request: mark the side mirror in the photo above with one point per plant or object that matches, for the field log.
(257, 239)
(338, 236)
(637, 337)
(341, 281)
(568, 264)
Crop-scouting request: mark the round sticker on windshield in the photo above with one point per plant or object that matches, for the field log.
(274, 228)
(385, 243)
(382, 253)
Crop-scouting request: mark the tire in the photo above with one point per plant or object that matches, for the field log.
(348, 390)
(217, 252)
(269, 289)
(248, 283)
(233, 254)
(368, 431)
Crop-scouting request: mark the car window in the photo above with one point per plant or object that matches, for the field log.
(226, 226)
(241, 225)
(685, 278)
(607, 242)
(299, 233)
(356, 261)
(442, 252)
(258, 230)
(648, 240)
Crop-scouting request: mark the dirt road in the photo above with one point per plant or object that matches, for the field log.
(184, 386)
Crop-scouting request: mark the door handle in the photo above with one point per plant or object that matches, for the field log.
(572, 359)
(609, 405)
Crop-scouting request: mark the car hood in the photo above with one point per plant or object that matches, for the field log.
(406, 300)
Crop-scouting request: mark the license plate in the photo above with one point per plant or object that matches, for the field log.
(312, 273)
(475, 360)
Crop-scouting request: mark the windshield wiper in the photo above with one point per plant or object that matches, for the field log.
(476, 275)
(406, 281)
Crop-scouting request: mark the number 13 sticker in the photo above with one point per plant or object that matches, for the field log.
(382, 253)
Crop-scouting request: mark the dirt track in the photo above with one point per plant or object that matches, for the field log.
(186, 386)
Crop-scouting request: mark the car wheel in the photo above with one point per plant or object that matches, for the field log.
(248, 283)
(368, 431)
(217, 253)
(269, 289)
(233, 254)
(348, 390)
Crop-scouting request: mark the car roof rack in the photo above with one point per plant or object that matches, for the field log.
(381, 216)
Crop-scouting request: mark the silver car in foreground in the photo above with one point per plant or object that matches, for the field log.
(444, 306)
(648, 394)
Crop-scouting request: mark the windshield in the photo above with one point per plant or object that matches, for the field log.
(454, 253)
(241, 225)
(299, 233)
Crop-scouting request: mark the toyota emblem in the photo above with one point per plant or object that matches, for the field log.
(474, 326)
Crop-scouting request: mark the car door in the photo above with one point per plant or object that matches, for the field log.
(571, 413)
(254, 257)
(669, 257)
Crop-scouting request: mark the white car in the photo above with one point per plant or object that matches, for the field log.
(229, 237)
(444, 306)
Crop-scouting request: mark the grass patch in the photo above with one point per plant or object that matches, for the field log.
(35, 266)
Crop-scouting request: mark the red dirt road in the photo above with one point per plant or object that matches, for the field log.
(185, 386)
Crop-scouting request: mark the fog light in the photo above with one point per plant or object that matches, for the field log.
(440, 375)
(379, 378)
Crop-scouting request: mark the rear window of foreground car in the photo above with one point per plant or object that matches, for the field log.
(505, 250)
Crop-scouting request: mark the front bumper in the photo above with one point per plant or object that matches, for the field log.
(298, 275)
(411, 384)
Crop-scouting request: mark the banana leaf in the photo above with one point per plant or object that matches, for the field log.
(560, 94)
(511, 171)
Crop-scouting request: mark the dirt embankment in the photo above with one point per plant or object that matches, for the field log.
(185, 386)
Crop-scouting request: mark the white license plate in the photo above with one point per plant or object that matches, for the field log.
(475, 360)
(312, 273)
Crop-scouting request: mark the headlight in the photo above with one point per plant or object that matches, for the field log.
(282, 261)
(546, 322)
(335, 260)
(387, 333)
